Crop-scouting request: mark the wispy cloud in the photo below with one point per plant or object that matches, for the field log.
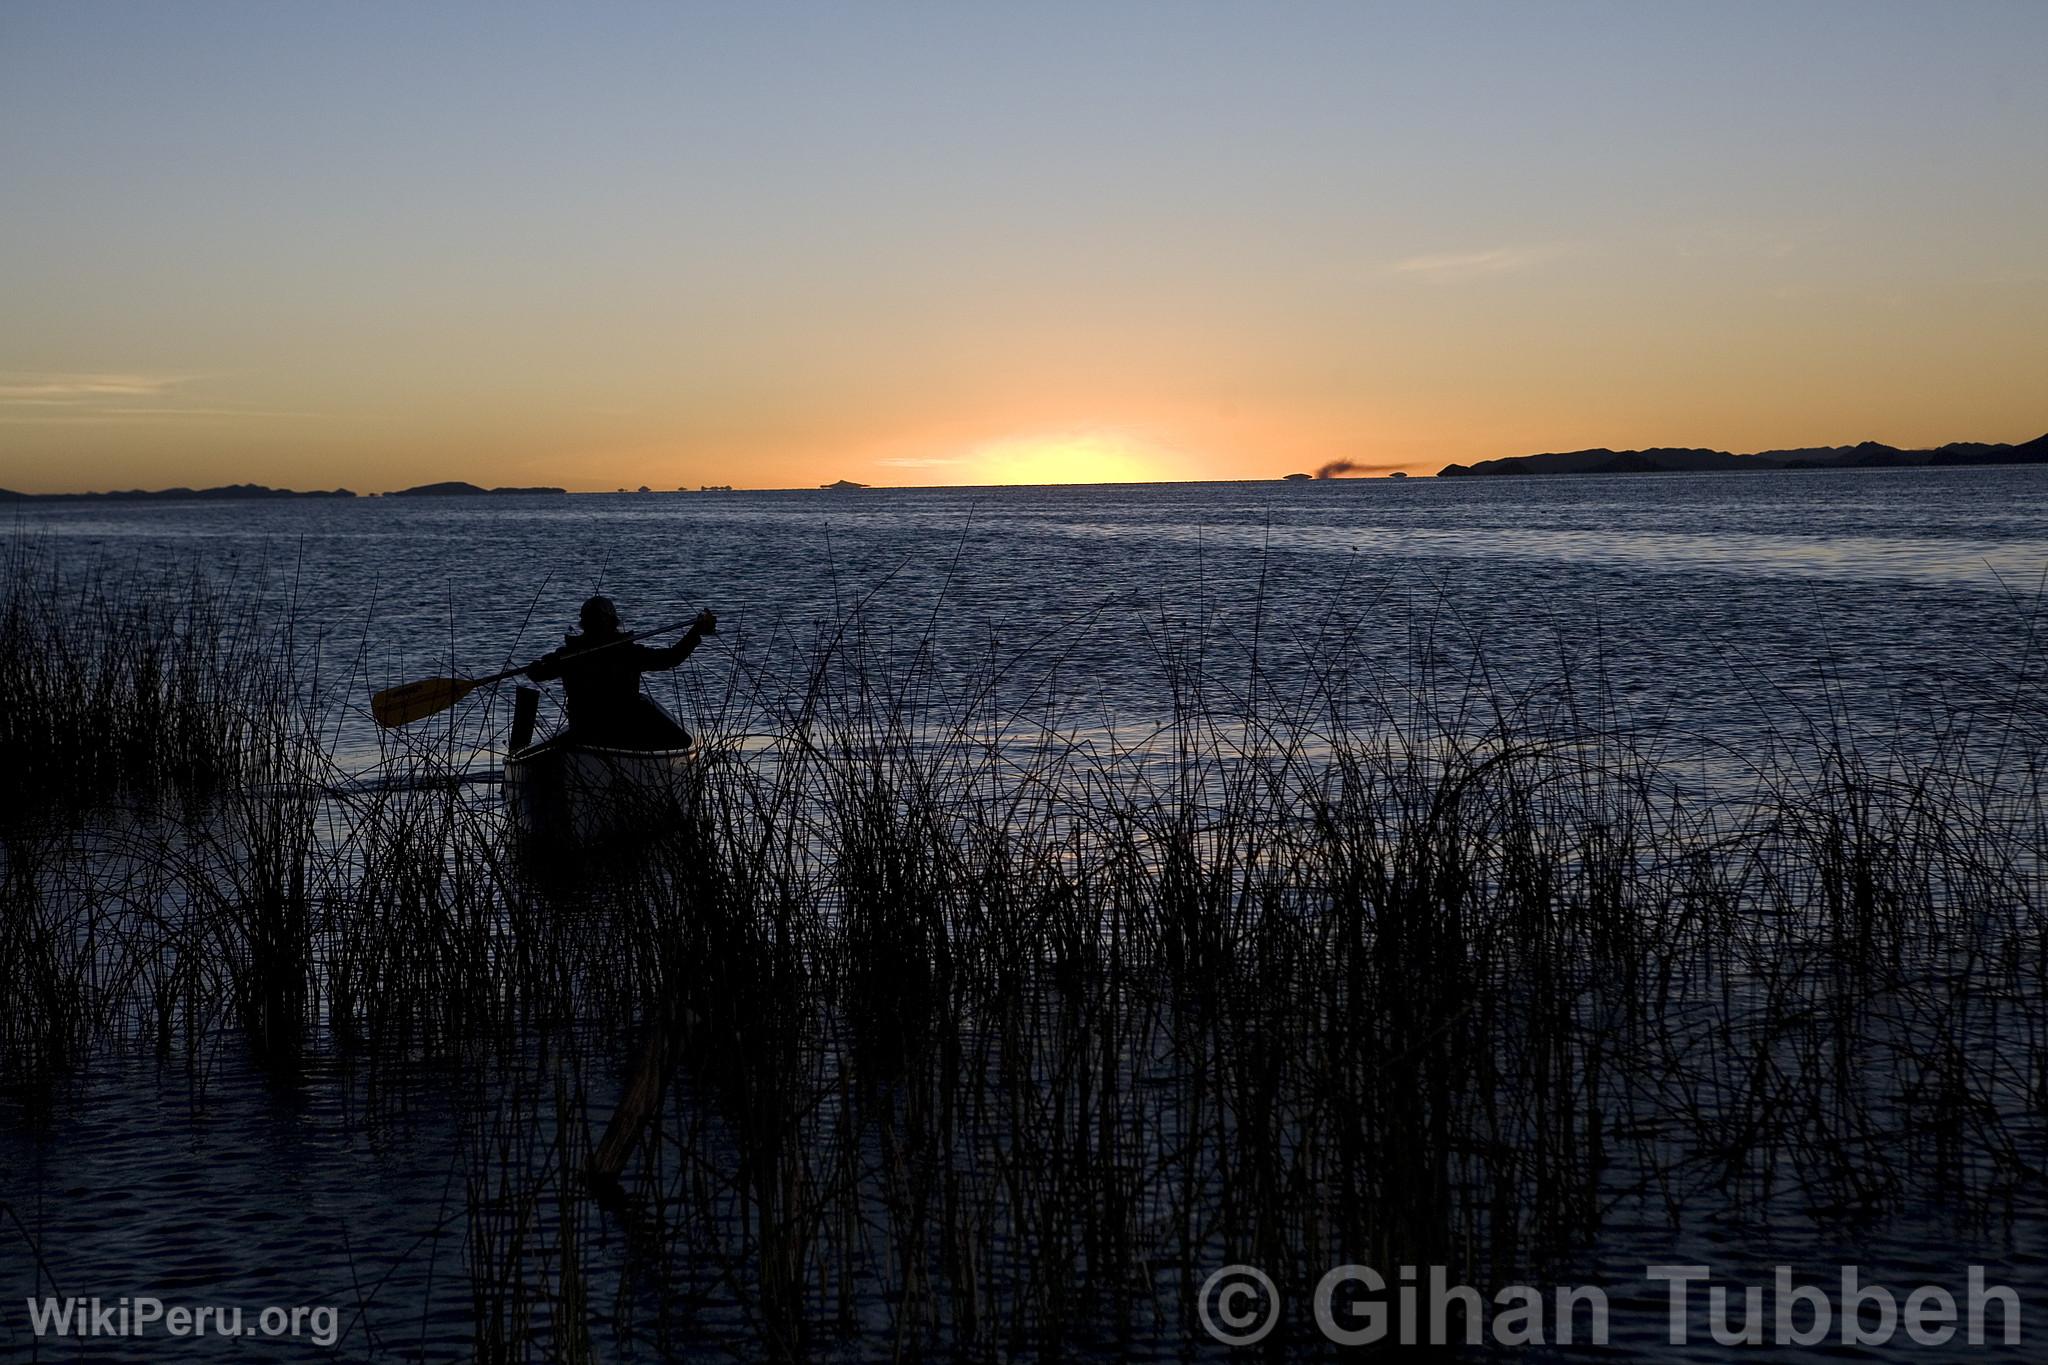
(55, 413)
(85, 389)
(1451, 266)
(918, 463)
(31, 397)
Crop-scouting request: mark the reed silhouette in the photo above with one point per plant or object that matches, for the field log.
(984, 1035)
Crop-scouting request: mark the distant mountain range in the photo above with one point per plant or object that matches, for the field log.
(1687, 460)
(228, 492)
(244, 491)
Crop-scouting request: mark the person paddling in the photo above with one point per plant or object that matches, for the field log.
(599, 669)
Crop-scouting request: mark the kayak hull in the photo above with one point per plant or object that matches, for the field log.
(583, 794)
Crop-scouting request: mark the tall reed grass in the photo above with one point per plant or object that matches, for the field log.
(116, 680)
(983, 1033)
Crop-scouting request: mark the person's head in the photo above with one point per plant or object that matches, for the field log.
(599, 614)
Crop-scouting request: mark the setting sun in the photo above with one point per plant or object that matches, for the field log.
(1067, 459)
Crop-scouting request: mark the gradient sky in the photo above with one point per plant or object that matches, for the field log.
(373, 245)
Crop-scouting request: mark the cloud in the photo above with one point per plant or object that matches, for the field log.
(1467, 265)
(28, 397)
(916, 463)
(84, 389)
(67, 413)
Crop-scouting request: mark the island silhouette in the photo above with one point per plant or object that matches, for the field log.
(455, 488)
(227, 492)
(1688, 460)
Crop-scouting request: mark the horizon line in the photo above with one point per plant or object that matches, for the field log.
(1335, 471)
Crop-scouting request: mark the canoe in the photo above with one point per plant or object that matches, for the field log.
(582, 794)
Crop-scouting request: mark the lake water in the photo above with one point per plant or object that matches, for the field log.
(1719, 613)
(1726, 607)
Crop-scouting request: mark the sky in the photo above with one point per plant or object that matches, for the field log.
(320, 245)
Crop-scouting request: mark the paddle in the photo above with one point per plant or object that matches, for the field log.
(396, 706)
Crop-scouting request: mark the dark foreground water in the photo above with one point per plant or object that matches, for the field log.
(1722, 614)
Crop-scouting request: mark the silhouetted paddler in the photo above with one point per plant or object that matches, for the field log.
(600, 673)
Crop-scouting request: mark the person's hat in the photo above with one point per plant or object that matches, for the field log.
(599, 614)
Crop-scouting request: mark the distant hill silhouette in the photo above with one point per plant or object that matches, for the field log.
(227, 492)
(234, 491)
(1686, 460)
(456, 489)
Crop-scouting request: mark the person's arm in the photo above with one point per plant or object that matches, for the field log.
(547, 667)
(651, 658)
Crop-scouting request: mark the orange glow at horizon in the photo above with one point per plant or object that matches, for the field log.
(1066, 459)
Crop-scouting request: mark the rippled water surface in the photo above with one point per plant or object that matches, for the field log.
(1715, 595)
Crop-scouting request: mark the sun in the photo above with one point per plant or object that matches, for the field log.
(1067, 459)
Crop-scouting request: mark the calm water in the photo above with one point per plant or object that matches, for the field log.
(1716, 605)
(1720, 608)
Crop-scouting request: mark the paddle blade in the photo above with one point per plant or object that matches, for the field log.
(396, 706)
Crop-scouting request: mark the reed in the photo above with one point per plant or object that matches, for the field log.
(985, 1032)
(115, 680)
